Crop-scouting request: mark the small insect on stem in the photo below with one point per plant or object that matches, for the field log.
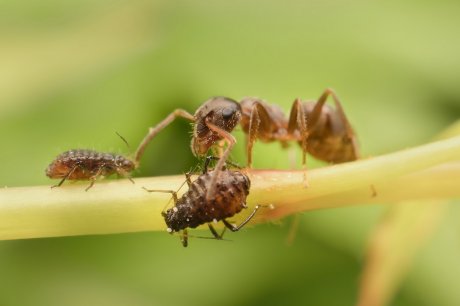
(321, 130)
(80, 164)
(193, 208)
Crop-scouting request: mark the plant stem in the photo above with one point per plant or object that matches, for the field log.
(119, 206)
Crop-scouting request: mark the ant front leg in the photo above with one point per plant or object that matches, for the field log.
(153, 131)
(231, 142)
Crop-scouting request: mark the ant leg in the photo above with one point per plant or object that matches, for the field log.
(235, 228)
(293, 229)
(153, 131)
(66, 176)
(338, 105)
(298, 122)
(373, 191)
(259, 122)
(184, 238)
(94, 177)
(231, 142)
(254, 123)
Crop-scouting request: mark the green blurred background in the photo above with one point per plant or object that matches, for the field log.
(74, 72)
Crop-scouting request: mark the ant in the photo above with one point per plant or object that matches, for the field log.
(329, 135)
(194, 209)
(82, 164)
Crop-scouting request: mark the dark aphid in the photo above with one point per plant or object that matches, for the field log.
(321, 130)
(88, 165)
(194, 209)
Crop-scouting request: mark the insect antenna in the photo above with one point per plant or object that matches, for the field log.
(124, 140)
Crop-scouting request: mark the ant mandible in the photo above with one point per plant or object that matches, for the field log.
(329, 135)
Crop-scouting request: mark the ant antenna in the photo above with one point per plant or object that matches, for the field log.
(122, 138)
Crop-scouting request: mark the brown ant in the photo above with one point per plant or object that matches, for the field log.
(81, 164)
(194, 209)
(329, 135)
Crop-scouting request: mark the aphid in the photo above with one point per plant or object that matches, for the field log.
(194, 209)
(321, 130)
(80, 164)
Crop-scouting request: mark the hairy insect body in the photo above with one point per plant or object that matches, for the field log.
(88, 165)
(193, 209)
(272, 124)
(222, 112)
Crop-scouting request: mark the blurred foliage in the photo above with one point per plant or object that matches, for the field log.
(74, 72)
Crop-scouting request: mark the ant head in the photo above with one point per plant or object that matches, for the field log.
(222, 112)
(125, 164)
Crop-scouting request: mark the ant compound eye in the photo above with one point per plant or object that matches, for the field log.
(227, 113)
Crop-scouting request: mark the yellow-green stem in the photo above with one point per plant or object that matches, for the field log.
(119, 206)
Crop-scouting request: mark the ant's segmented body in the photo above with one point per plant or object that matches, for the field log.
(194, 209)
(321, 130)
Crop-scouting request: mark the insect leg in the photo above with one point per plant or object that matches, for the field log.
(66, 176)
(94, 177)
(254, 123)
(235, 228)
(231, 142)
(153, 131)
(184, 238)
(260, 122)
(215, 233)
(188, 179)
(125, 174)
(298, 122)
(338, 105)
(174, 194)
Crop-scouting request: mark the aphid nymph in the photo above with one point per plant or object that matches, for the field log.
(82, 164)
(193, 208)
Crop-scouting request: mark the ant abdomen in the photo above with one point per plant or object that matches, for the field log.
(329, 138)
